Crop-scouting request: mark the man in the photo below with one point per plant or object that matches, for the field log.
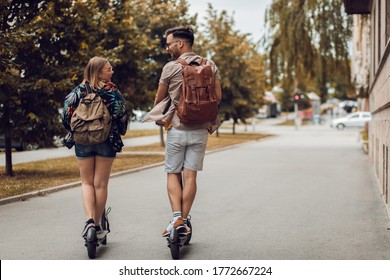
(186, 144)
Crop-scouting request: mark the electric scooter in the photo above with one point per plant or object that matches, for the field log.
(93, 239)
(176, 240)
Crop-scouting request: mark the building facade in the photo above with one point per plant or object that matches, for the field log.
(371, 76)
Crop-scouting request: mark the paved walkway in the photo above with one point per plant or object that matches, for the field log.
(49, 153)
(42, 154)
(306, 194)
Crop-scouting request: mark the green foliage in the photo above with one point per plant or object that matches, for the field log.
(45, 45)
(308, 45)
(240, 65)
(138, 31)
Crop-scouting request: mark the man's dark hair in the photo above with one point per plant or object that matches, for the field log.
(182, 32)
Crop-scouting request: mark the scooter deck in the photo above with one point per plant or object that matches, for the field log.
(102, 234)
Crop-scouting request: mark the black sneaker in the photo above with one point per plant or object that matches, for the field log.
(88, 225)
(184, 231)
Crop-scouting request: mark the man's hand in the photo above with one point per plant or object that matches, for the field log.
(161, 122)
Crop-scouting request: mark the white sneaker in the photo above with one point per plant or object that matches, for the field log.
(174, 223)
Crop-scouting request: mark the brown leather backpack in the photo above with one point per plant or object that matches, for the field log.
(198, 102)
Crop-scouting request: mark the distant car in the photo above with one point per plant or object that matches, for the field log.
(138, 115)
(348, 105)
(357, 119)
(18, 144)
(57, 141)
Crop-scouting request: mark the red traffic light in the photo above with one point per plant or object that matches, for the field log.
(297, 97)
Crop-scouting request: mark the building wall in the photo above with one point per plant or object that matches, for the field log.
(361, 53)
(361, 59)
(379, 94)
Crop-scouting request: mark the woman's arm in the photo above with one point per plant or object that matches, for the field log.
(70, 104)
(119, 111)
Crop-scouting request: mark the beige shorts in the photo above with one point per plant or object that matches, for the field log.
(185, 149)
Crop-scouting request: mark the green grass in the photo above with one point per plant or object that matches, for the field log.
(364, 135)
(39, 175)
(292, 122)
(141, 133)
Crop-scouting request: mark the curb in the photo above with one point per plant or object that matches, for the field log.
(26, 196)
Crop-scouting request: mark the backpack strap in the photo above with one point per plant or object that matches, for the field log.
(182, 61)
(209, 81)
(88, 87)
(83, 94)
(191, 82)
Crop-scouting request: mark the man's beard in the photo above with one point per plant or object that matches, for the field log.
(174, 56)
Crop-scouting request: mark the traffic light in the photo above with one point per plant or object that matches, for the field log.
(297, 97)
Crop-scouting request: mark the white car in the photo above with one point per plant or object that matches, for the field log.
(138, 115)
(357, 119)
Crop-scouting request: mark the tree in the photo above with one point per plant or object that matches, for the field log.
(138, 30)
(48, 44)
(308, 45)
(240, 65)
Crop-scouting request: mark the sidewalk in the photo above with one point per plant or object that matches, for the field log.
(309, 194)
(42, 154)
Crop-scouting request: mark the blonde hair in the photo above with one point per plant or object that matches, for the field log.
(92, 71)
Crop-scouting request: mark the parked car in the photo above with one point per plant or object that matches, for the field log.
(357, 119)
(138, 115)
(348, 105)
(18, 144)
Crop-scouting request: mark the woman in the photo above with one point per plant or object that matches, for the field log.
(95, 161)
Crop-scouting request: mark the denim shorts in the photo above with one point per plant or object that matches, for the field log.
(185, 149)
(97, 150)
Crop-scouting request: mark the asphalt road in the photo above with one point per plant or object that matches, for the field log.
(302, 194)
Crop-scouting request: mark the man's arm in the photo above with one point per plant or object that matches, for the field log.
(218, 90)
(162, 92)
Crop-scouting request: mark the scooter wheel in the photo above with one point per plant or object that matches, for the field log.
(174, 244)
(91, 247)
(189, 235)
(91, 243)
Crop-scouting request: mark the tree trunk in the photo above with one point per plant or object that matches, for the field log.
(8, 156)
(7, 136)
(322, 79)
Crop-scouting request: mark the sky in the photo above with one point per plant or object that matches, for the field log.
(248, 14)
